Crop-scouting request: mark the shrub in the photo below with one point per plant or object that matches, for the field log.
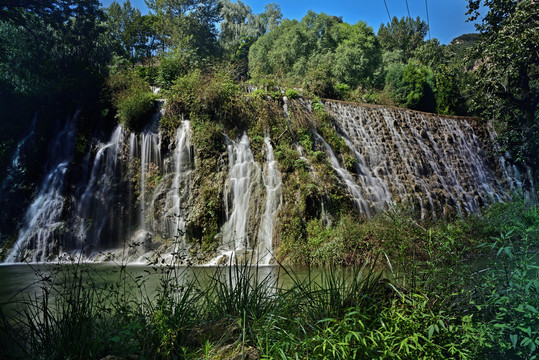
(506, 299)
(291, 93)
(212, 95)
(135, 109)
(412, 85)
(132, 98)
(343, 90)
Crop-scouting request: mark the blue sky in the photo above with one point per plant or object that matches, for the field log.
(447, 17)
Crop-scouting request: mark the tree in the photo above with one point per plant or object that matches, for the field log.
(430, 53)
(412, 85)
(186, 24)
(50, 46)
(507, 78)
(320, 46)
(358, 55)
(240, 28)
(131, 32)
(237, 18)
(405, 34)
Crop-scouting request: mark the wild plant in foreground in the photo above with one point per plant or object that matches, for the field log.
(506, 299)
(70, 317)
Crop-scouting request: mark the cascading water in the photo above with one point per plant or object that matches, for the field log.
(15, 167)
(136, 191)
(95, 207)
(174, 213)
(510, 174)
(131, 169)
(436, 161)
(353, 188)
(150, 167)
(15, 163)
(237, 194)
(42, 219)
(272, 183)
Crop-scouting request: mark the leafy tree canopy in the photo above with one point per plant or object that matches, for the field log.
(404, 34)
(320, 43)
(186, 24)
(48, 46)
(240, 25)
(506, 87)
(132, 33)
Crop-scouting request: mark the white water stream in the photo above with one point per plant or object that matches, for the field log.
(42, 219)
(95, 205)
(272, 182)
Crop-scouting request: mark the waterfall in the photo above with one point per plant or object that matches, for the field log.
(95, 208)
(43, 217)
(16, 159)
(353, 188)
(242, 169)
(15, 163)
(272, 183)
(141, 188)
(437, 162)
(174, 213)
(150, 167)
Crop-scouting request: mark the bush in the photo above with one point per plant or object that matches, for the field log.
(291, 93)
(343, 90)
(132, 98)
(506, 299)
(175, 65)
(214, 96)
(135, 109)
(412, 85)
(147, 73)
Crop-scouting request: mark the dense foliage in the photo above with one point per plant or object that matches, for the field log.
(71, 54)
(420, 311)
(318, 44)
(506, 85)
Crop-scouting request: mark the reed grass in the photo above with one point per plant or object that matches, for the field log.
(246, 311)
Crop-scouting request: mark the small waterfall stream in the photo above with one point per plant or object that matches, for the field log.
(242, 170)
(15, 166)
(95, 207)
(42, 218)
(353, 188)
(15, 162)
(150, 166)
(272, 182)
(174, 213)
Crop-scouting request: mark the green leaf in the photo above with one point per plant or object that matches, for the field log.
(115, 339)
(430, 331)
(527, 330)
(514, 339)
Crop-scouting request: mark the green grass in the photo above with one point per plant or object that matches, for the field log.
(429, 310)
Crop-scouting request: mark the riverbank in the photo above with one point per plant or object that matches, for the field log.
(430, 309)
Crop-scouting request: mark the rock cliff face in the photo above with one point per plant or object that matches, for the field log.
(156, 197)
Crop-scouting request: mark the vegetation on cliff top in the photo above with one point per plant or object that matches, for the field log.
(79, 44)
